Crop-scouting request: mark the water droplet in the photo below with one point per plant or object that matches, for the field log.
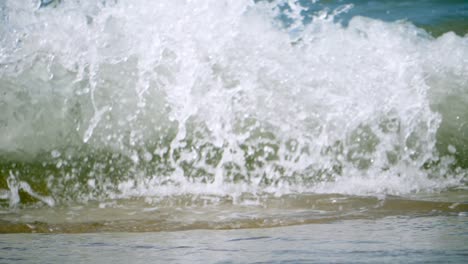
(55, 153)
(451, 149)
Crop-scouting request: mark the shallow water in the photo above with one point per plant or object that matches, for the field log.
(214, 212)
(436, 239)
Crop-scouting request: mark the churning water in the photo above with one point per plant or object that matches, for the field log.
(168, 115)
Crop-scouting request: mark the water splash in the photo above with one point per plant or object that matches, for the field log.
(224, 98)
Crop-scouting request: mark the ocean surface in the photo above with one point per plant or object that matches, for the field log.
(233, 131)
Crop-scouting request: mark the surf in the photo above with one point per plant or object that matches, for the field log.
(120, 101)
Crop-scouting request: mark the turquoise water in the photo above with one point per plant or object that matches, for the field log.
(437, 17)
(233, 131)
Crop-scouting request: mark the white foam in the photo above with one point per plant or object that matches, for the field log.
(317, 107)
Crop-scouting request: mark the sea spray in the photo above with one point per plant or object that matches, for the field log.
(120, 99)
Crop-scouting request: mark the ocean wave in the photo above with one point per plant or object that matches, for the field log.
(126, 99)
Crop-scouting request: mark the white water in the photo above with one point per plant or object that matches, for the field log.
(216, 97)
